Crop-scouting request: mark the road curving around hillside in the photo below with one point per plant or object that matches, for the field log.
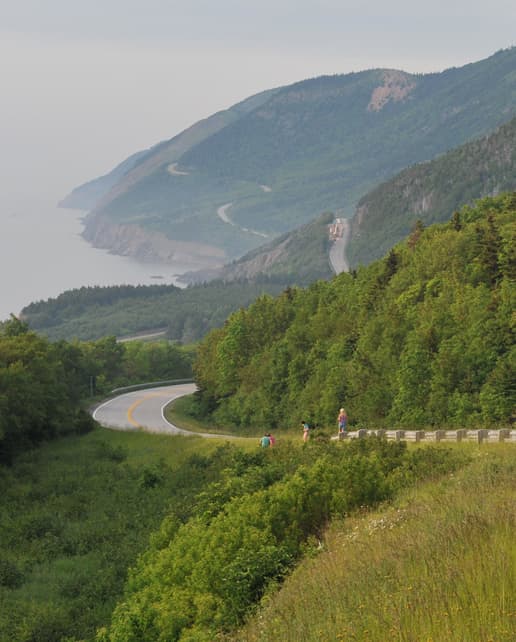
(222, 213)
(145, 410)
(338, 258)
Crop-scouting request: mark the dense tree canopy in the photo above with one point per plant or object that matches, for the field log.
(420, 338)
(186, 315)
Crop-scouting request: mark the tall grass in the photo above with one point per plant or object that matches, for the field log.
(437, 566)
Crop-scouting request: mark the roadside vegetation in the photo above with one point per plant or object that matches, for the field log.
(45, 387)
(438, 563)
(74, 516)
(422, 338)
(250, 528)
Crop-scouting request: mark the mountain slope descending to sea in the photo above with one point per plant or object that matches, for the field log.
(280, 158)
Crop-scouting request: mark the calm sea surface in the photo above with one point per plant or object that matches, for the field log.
(42, 254)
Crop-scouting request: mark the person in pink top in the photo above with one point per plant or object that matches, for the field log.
(342, 420)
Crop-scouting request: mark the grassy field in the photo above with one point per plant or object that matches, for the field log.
(438, 565)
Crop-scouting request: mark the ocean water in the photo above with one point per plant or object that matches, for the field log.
(43, 254)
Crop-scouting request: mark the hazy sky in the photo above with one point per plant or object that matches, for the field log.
(85, 83)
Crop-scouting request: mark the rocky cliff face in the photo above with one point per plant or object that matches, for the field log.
(145, 245)
(432, 191)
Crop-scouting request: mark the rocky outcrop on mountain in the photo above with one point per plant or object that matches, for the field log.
(432, 191)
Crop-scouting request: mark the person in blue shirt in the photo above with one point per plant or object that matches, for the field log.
(265, 441)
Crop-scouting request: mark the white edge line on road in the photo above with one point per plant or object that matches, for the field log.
(165, 419)
(105, 403)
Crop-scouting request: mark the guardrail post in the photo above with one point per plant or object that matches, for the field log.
(362, 433)
(381, 432)
(399, 434)
(440, 435)
(482, 435)
(461, 434)
(419, 435)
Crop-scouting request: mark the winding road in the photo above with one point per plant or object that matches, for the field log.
(222, 213)
(145, 410)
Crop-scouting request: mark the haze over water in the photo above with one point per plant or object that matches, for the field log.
(86, 84)
(42, 254)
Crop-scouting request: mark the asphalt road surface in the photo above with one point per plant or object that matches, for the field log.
(338, 257)
(144, 410)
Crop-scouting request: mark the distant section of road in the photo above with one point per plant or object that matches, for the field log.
(338, 259)
(143, 337)
(144, 410)
(173, 171)
(222, 213)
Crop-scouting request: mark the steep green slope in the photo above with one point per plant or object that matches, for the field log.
(420, 338)
(295, 258)
(316, 145)
(410, 571)
(432, 191)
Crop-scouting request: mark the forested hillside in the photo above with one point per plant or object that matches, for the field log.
(185, 315)
(422, 337)
(313, 146)
(432, 191)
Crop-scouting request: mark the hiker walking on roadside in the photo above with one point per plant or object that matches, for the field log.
(342, 420)
(306, 431)
(272, 439)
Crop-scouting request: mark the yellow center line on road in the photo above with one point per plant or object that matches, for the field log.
(135, 405)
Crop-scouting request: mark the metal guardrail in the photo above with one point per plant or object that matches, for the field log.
(151, 384)
(479, 436)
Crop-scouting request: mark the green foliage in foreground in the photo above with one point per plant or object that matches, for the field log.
(438, 565)
(74, 516)
(249, 528)
(423, 337)
(38, 396)
(90, 313)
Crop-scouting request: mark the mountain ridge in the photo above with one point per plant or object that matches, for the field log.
(432, 191)
(318, 144)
